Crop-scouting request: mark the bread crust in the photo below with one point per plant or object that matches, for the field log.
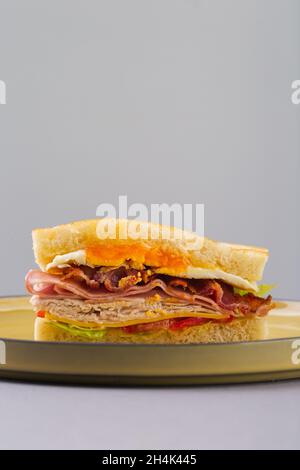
(244, 261)
(245, 329)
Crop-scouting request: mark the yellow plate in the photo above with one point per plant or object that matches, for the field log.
(277, 357)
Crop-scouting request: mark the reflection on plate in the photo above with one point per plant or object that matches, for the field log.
(277, 357)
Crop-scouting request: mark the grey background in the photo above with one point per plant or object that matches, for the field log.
(261, 416)
(165, 101)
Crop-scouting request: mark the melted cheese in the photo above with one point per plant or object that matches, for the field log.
(101, 256)
(119, 324)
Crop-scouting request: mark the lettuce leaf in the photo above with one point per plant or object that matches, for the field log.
(263, 290)
(80, 331)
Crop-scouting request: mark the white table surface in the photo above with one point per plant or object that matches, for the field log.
(39, 416)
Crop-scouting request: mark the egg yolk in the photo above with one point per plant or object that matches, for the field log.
(110, 254)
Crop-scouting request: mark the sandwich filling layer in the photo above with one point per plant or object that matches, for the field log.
(138, 299)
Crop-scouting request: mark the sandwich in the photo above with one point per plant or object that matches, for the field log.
(93, 288)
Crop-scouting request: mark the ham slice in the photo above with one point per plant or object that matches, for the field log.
(50, 285)
(213, 296)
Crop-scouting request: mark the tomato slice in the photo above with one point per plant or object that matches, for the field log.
(179, 323)
(41, 314)
(142, 327)
(172, 324)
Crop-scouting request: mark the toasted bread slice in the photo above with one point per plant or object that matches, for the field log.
(172, 251)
